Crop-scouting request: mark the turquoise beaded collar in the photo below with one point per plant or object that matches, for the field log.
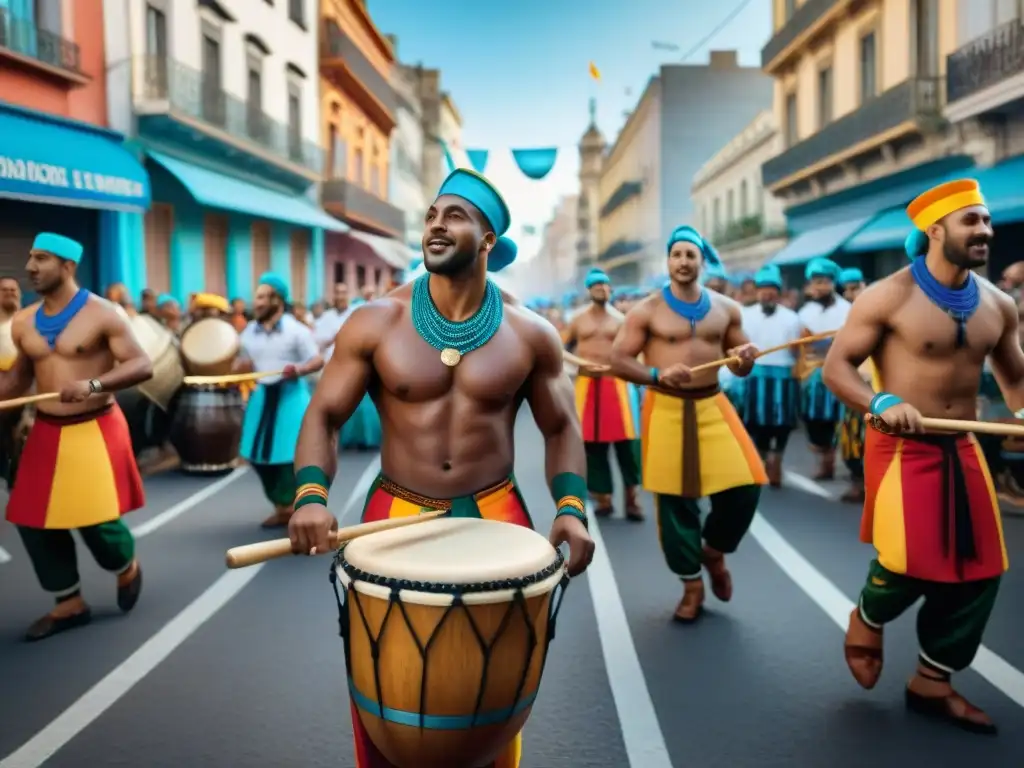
(455, 339)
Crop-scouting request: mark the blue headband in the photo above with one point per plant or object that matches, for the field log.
(714, 270)
(276, 283)
(821, 267)
(596, 277)
(851, 275)
(482, 195)
(687, 234)
(165, 298)
(60, 246)
(768, 276)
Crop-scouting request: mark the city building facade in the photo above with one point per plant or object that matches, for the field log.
(592, 148)
(407, 187)
(746, 224)
(554, 266)
(61, 169)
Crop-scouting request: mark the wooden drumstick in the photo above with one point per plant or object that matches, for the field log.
(579, 362)
(262, 551)
(778, 348)
(960, 425)
(18, 402)
(230, 378)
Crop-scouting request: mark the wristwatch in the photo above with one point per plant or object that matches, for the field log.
(95, 386)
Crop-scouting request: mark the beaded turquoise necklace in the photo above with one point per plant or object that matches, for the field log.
(455, 339)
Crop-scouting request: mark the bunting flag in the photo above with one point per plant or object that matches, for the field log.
(535, 163)
(595, 73)
(478, 159)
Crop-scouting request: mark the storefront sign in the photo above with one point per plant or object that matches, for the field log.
(75, 184)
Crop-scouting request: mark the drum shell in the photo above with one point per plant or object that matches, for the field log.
(206, 428)
(455, 671)
(217, 332)
(161, 347)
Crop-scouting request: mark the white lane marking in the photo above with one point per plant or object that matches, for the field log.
(159, 521)
(362, 486)
(828, 597)
(805, 484)
(641, 731)
(5, 556)
(132, 670)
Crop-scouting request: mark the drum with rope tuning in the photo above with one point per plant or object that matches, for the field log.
(446, 627)
(209, 347)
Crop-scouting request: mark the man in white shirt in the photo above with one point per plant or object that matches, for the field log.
(326, 327)
(276, 341)
(825, 311)
(772, 392)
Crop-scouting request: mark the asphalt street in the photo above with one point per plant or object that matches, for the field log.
(245, 668)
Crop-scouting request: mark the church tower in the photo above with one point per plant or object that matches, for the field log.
(592, 148)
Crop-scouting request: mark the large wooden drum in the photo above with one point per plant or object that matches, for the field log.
(206, 429)
(159, 345)
(210, 347)
(446, 628)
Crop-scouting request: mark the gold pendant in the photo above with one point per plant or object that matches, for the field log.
(450, 357)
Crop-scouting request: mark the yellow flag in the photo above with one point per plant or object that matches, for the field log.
(594, 71)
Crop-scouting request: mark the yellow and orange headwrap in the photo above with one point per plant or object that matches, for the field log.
(212, 301)
(935, 204)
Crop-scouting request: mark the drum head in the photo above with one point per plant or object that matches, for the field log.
(453, 551)
(152, 337)
(210, 341)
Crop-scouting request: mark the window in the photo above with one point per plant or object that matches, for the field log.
(357, 166)
(744, 211)
(730, 207)
(360, 276)
(868, 62)
(254, 103)
(340, 275)
(824, 96)
(156, 33)
(716, 222)
(297, 12)
(375, 173)
(295, 120)
(332, 150)
(214, 101)
(792, 136)
(927, 28)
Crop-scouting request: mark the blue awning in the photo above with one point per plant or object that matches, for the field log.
(216, 190)
(1001, 186)
(887, 231)
(823, 241)
(64, 162)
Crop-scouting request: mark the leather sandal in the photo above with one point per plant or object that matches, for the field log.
(128, 594)
(953, 709)
(865, 661)
(692, 604)
(48, 626)
(721, 579)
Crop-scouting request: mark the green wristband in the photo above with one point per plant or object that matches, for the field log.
(569, 491)
(312, 474)
(570, 510)
(311, 486)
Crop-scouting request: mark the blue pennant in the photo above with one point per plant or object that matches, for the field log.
(535, 163)
(959, 303)
(694, 311)
(52, 326)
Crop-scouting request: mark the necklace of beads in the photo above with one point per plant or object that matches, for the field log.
(455, 339)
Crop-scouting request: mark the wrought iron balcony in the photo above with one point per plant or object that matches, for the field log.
(348, 198)
(339, 54)
(27, 40)
(163, 84)
(985, 61)
(625, 192)
(803, 19)
(916, 100)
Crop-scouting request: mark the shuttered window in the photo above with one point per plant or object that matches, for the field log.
(159, 224)
(299, 260)
(215, 251)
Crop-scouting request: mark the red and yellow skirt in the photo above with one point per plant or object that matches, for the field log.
(608, 409)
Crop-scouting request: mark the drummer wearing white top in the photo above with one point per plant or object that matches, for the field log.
(274, 341)
(826, 311)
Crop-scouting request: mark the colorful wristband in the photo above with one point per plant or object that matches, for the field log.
(882, 402)
(313, 485)
(568, 490)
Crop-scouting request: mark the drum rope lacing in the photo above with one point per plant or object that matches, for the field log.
(457, 591)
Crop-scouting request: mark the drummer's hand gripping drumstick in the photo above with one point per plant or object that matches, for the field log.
(579, 362)
(763, 352)
(18, 402)
(262, 551)
(959, 425)
(231, 378)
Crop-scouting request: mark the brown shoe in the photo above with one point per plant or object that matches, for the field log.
(634, 511)
(855, 493)
(68, 614)
(721, 579)
(773, 468)
(603, 506)
(826, 465)
(863, 651)
(129, 587)
(692, 604)
(936, 698)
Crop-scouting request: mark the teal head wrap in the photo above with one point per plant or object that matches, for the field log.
(768, 276)
(916, 244)
(687, 234)
(821, 267)
(596, 277)
(851, 275)
(276, 283)
(714, 270)
(164, 299)
(482, 195)
(60, 246)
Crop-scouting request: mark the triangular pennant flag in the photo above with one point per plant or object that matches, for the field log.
(478, 159)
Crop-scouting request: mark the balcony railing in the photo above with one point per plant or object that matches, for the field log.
(914, 99)
(24, 37)
(625, 192)
(191, 92)
(745, 229)
(989, 59)
(806, 15)
(337, 46)
(363, 204)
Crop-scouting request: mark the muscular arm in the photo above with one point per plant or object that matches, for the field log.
(341, 388)
(630, 342)
(734, 337)
(17, 380)
(1008, 358)
(855, 342)
(133, 365)
(551, 399)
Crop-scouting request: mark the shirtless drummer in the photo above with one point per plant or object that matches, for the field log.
(928, 329)
(608, 408)
(77, 470)
(448, 359)
(692, 441)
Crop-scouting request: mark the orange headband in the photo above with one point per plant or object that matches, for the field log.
(940, 201)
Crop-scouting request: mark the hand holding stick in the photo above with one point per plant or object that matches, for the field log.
(579, 362)
(959, 425)
(778, 348)
(18, 402)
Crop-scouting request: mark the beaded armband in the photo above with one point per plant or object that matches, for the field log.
(313, 485)
(568, 490)
(882, 402)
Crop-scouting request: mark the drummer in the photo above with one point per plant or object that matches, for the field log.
(448, 406)
(168, 312)
(274, 341)
(210, 305)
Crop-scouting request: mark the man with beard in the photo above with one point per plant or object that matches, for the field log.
(608, 408)
(850, 431)
(276, 341)
(931, 511)
(448, 359)
(824, 311)
(851, 283)
(693, 443)
(772, 393)
(77, 470)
